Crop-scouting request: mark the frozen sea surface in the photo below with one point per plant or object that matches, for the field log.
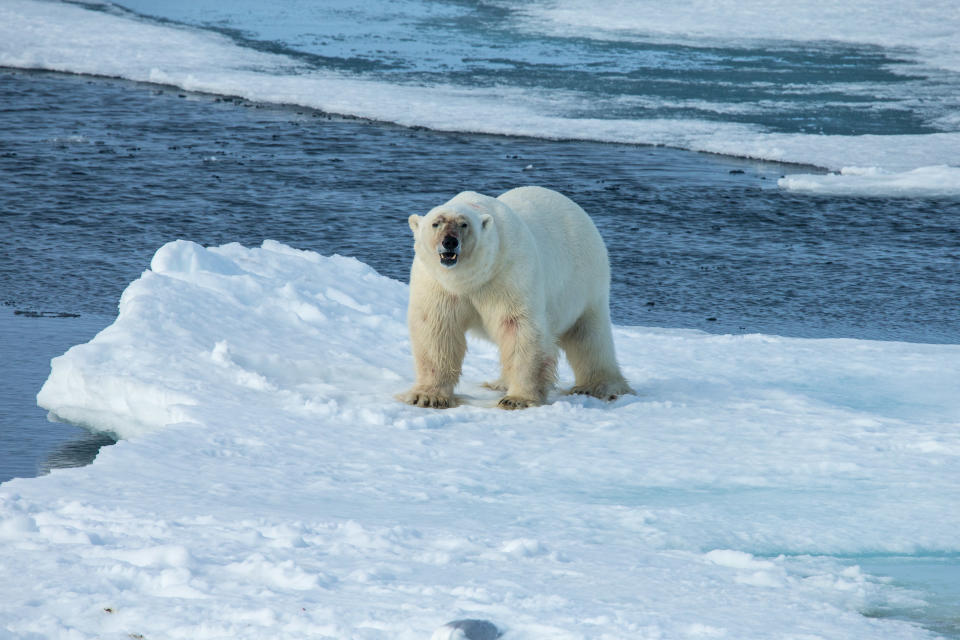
(268, 485)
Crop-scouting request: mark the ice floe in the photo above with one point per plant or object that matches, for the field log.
(268, 485)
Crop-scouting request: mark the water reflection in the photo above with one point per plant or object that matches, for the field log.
(30, 444)
(78, 452)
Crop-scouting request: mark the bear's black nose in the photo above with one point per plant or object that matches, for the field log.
(450, 243)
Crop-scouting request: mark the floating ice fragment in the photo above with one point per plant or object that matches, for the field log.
(934, 181)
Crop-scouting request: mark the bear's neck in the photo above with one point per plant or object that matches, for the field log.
(463, 279)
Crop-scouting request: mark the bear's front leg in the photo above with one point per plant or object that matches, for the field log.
(438, 338)
(529, 363)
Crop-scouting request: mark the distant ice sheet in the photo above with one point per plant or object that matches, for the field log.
(926, 30)
(68, 37)
(270, 486)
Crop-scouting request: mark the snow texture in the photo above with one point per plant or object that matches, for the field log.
(269, 486)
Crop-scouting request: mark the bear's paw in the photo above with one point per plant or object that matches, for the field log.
(513, 402)
(427, 399)
(608, 391)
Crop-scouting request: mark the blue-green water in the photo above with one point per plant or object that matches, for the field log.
(935, 580)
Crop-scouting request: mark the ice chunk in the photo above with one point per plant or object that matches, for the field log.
(922, 182)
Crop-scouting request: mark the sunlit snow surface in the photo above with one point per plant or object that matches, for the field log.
(723, 77)
(269, 486)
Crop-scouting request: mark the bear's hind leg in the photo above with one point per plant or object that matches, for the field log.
(589, 348)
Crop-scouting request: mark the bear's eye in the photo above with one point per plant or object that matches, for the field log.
(436, 224)
(463, 225)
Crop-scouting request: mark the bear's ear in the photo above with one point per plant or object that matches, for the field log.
(414, 222)
(485, 219)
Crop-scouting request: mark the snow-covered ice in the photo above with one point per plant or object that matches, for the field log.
(925, 30)
(269, 486)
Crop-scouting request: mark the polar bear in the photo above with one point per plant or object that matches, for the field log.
(527, 270)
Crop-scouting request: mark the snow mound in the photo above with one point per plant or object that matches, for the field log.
(930, 182)
(269, 486)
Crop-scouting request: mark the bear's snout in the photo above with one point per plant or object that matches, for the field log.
(449, 250)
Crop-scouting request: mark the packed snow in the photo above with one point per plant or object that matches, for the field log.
(36, 34)
(268, 485)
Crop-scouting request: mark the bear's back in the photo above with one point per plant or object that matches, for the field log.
(561, 228)
(573, 257)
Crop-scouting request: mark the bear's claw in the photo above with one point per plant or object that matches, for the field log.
(512, 402)
(427, 400)
(608, 391)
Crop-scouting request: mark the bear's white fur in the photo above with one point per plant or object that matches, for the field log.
(527, 270)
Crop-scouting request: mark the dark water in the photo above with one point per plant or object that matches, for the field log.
(95, 175)
(29, 444)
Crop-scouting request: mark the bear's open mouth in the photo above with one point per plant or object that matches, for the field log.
(448, 258)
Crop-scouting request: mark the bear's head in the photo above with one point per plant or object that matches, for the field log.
(456, 241)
